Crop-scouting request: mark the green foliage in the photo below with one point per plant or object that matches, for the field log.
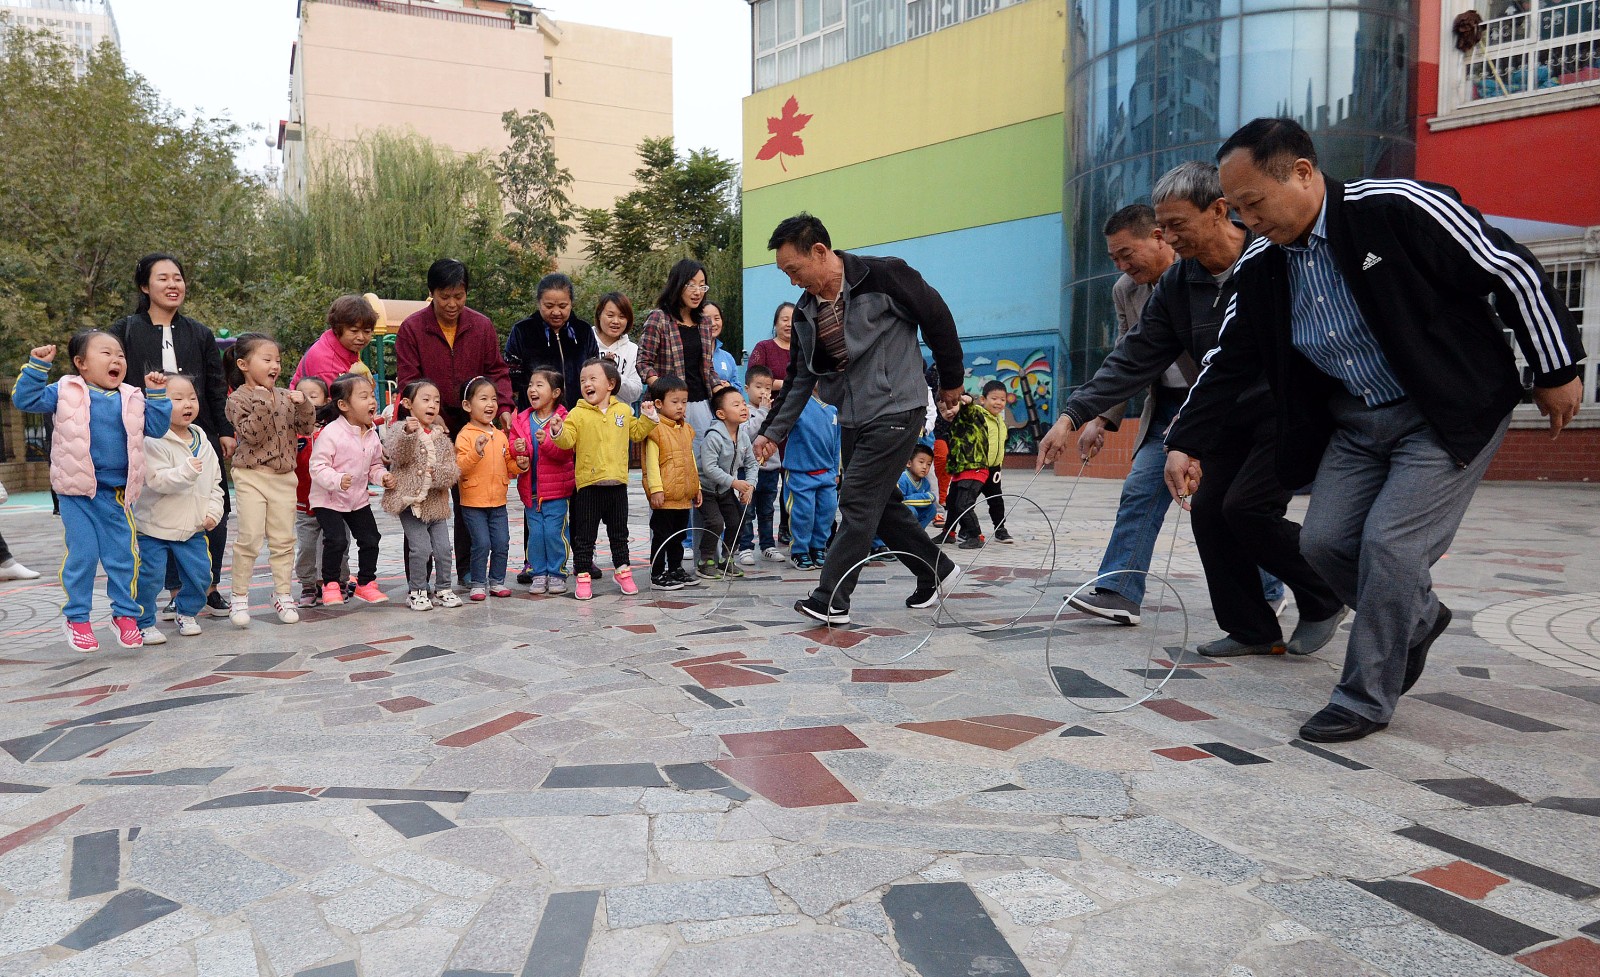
(533, 184)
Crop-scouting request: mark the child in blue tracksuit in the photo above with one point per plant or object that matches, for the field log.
(919, 490)
(811, 470)
(97, 470)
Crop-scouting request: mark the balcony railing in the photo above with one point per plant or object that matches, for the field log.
(428, 11)
(1534, 51)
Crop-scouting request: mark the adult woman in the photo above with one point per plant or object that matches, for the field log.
(613, 317)
(451, 344)
(774, 353)
(159, 337)
(677, 341)
(550, 339)
(351, 324)
(721, 360)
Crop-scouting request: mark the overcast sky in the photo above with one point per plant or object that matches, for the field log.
(231, 57)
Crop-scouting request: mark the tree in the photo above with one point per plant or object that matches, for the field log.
(533, 185)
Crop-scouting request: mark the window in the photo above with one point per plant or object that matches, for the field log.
(549, 78)
(1534, 55)
(1577, 280)
(796, 37)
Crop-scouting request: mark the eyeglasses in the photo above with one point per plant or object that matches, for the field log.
(692, 287)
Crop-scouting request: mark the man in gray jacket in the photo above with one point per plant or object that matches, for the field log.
(855, 337)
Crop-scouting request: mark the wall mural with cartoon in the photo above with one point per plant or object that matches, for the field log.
(1029, 376)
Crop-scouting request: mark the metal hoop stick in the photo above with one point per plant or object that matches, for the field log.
(982, 627)
(1070, 493)
(903, 556)
(1150, 691)
(727, 590)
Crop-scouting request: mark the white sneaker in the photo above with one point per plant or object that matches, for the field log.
(284, 605)
(153, 636)
(538, 584)
(746, 558)
(188, 626)
(239, 612)
(447, 598)
(555, 585)
(775, 553)
(419, 601)
(12, 570)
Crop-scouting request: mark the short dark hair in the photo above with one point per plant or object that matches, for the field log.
(315, 380)
(79, 343)
(664, 384)
(992, 386)
(613, 375)
(722, 394)
(779, 311)
(350, 311)
(1138, 218)
(799, 232)
(921, 449)
(620, 301)
(473, 386)
(756, 371)
(1273, 144)
(343, 388)
(448, 273)
(556, 381)
(551, 282)
(682, 273)
(409, 393)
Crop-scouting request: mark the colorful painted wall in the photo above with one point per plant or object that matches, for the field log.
(945, 151)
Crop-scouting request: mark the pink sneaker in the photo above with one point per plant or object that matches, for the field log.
(500, 590)
(625, 582)
(370, 593)
(583, 590)
(332, 594)
(80, 635)
(129, 634)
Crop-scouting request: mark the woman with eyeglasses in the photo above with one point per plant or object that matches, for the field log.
(678, 341)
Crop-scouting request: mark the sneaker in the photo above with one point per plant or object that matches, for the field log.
(555, 584)
(812, 608)
(284, 605)
(624, 579)
(709, 569)
(80, 635)
(802, 561)
(938, 519)
(418, 600)
(526, 579)
(499, 589)
(479, 592)
(308, 597)
(1227, 647)
(370, 593)
(188, 626)
(775, 554)
(537, 583)
(746, 558)
(584, 589)
(12, 570)
(332, 594)
(218, 605)
(927, 595)
(1108, 604)
(153, 636)
(1001, 536)
(447, 598)
(350, 588)
(685, 578)
(170, 612)
(730, 568)
(971, 543)
(239, 611)
(665, 581)
(881, 549)
(128, 633)
(945, 539)
(784, 539)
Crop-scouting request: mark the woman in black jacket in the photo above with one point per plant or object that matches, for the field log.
(159, 337)
(553, 338)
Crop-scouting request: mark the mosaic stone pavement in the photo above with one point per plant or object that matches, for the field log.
(705, 786)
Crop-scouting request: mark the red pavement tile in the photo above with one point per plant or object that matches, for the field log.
(1571, 958)
(91, 701)
(405, 703)
(22, 836)
(1022, 724)
(726, 656)
(790, 780)
(198, 683)
(722, 675)
(976, 734)
(1173, 709)
(74, 693)
(368, 676)
(833, 637)
(813, 739)
(896, 674)
(356, 656)
(1462, 878)
(639, 628)
(494, 727)
(1182, 753)
(883, 632)
(389, 641)
(280, 675)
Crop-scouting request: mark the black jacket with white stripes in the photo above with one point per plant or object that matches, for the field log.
(1421, 266)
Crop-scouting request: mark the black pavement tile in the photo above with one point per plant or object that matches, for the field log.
(398, 794)
(123, 913)
(1472, 671)
(345, 969)
(605, 775)
(1588, 693)
(1575, 805)
(1524, 578)
(78, 678)
(1489, 714)
(96, 863)
(1593, 929)
(255, 661)
(1329, 755)
(6, 788)
(422, 653)
(85, 739)
(254, 798)
(1232, 754)
(413, 819)
(1473, 790)
(1001, 788)
(695, 776)
(943, 931)
(1080, 731)
(1490, 930)
(735, 794)
(154, 706)
(1076, 683)
(1179, 672)
(133, 833)
(23, 748)
(562, 940)
(1504, 864)
(709, 698)
(725, 629)
(181, 777)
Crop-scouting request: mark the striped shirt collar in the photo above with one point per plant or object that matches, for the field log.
(1319, 231)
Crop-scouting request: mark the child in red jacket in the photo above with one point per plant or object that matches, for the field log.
(547, 484)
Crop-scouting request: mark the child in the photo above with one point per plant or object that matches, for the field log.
(758, 382)
(423, 463)
(307, 532)
(917, 489)
(671, 482)
(599, 428)
(351, 322)
(97, 469)
(545, 485)
(484, 456)
(347, 457)
(811, 473)
(977, 453)
(181, 501)
(265, 420)
(726, 467)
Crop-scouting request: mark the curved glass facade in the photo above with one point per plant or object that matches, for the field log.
(1157, 82)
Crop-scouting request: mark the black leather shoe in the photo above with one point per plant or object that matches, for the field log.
(1336, 724)
(1417, 657)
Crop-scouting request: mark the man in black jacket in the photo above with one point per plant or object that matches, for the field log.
(1364, 304)
(1240, 520)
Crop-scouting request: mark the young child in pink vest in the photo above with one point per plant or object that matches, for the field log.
(97, 469)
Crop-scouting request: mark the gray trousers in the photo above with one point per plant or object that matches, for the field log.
(308, 552)
(425, 540)
(1385, 507)
(870, 505)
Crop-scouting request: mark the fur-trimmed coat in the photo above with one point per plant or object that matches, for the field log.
(411, 457)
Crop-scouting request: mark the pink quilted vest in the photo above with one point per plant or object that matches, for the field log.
(71, 466)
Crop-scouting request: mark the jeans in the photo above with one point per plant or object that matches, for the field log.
(767, 486)
(490, 531)
(546, 522)
(1143, 507)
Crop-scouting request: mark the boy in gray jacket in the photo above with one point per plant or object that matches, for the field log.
(727, 468)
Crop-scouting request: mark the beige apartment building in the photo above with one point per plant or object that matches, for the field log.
(80, 24)
(447, 69)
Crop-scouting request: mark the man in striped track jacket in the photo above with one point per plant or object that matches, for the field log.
(1375, 310)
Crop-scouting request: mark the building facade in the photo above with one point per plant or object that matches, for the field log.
(80, 24)
(449, 70)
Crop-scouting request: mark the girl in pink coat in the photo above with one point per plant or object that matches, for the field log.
(347, 457)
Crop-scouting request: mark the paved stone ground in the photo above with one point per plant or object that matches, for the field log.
(705, 786)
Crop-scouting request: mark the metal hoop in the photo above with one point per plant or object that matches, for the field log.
(1041, 585)
(727, 590)
(854, 570)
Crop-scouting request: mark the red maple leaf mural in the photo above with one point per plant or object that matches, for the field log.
(785, 129)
